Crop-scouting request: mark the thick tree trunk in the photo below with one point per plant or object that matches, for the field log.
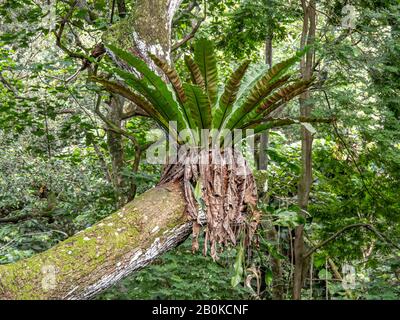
(146, 29)
(98, 257)
(264, 136)
(270, 232)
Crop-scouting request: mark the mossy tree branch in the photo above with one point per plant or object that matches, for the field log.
(98, 257)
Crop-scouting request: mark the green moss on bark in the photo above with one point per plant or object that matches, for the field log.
(83, 259)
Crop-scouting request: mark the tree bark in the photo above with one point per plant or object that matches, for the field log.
(98, 257)
(307, 37)
(146, 30)
(116, 149)
(264, 136)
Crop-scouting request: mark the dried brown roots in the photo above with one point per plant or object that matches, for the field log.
(228, 194)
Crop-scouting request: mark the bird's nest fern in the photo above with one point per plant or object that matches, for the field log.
(216, 180)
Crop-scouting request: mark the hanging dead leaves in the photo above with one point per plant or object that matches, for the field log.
(220, 185)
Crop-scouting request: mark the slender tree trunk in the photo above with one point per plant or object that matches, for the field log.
(262, 164)
(307, 37)
(121, 8)
(98, 257)
(116, 149)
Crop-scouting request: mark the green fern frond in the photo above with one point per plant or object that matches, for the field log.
(205, 59)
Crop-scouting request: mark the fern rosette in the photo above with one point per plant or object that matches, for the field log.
(215, 176)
